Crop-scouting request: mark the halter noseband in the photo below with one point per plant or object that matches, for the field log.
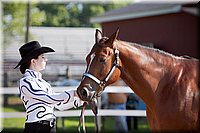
(102, 83)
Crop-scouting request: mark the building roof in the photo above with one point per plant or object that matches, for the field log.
(139, 10)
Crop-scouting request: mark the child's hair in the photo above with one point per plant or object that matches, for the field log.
(26, 65)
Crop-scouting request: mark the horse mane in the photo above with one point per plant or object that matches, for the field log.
(158, 51)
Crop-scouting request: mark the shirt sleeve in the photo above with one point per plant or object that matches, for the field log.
(32, 89)
(72, 104)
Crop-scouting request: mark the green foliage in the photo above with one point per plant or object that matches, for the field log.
(91, 10)
(37, 16)
(56, 14)
(14, 19)
(75, 14)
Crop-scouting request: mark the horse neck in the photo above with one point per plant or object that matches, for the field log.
(142, 69)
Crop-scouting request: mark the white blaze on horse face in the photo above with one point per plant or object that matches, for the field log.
(91, 59)
(88, 67)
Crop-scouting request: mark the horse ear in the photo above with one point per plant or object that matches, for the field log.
(98, 35)
(113, 37)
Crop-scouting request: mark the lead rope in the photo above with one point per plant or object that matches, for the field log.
(82, 119)
(93, 105)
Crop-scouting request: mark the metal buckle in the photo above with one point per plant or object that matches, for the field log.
(52, 123)
(102, 84)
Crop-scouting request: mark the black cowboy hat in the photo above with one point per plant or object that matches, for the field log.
(31, 50)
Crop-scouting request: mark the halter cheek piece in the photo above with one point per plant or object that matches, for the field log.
(102, 83)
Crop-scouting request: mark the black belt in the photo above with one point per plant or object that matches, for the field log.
(50, 123)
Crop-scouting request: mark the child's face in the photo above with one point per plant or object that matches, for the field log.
(40, 62)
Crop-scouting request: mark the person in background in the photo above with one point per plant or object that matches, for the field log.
(38, 97)
(131, 104)
(118, 101)
(104, 105)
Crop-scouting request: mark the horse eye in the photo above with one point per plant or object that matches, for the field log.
(102, 60)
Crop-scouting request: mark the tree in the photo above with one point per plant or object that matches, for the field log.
(14, 19)
(74, 14)
(90, 10)
(96, 9)
(56, 14)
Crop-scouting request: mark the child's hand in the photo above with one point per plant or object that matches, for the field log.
(75, 94)
(77, 102)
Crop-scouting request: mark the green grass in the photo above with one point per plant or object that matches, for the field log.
(16, 125)
(70, 124)
(13, 122)
(13, 109)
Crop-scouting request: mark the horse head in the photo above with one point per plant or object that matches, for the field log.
(103, 67)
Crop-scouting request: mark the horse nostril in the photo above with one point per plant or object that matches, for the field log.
(85, 92)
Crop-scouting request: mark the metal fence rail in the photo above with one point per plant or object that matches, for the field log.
(71, 113)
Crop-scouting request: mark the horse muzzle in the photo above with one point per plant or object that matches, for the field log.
(85, 93)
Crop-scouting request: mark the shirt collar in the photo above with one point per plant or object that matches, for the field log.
(33, 73)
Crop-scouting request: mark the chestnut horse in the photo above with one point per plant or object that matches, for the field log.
(166, 83)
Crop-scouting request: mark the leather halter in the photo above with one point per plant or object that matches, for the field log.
(102, 83)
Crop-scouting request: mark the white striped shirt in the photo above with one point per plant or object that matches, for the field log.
(39, 98)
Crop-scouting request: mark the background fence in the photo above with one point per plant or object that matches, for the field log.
(70, 113)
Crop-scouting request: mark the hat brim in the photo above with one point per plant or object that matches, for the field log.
(33, 54)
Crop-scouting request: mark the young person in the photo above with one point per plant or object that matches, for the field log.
(118, 101)
(38, 97)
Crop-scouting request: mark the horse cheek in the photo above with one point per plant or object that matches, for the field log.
(115, 77)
